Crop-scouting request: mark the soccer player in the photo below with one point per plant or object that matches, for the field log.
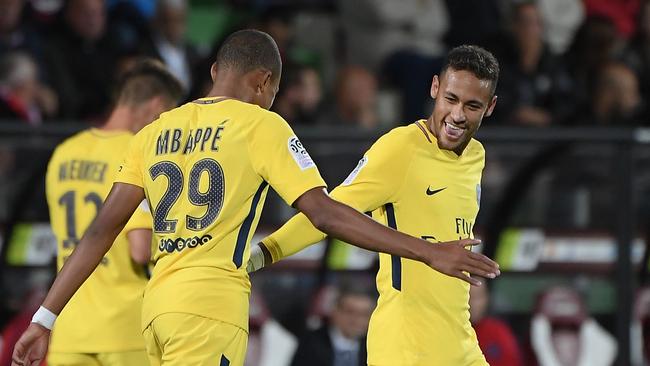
(101, 323)
(205, 169)
(424, 180)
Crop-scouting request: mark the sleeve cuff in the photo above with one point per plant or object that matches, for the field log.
(272, 246)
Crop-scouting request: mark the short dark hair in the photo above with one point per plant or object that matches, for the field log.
(476, 60)
(248, 50)
(148, 78)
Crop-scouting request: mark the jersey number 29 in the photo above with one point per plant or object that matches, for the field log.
(212, 198)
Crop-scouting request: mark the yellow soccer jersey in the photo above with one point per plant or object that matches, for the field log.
(205, 168)
(408, 183)
(103, 316)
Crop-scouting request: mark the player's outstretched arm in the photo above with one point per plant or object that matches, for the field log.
(295, 235)
(343, 222)
(118, 208)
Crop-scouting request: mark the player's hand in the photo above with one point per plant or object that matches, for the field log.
(31, 348)
(453, 259)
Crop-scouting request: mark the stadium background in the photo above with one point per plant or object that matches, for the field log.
(566, 188)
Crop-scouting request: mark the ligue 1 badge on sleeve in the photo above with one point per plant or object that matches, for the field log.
(299, 153)
(478, 195)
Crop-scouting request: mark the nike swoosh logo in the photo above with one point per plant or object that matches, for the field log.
(431, 192)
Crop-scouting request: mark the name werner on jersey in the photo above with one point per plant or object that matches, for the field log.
(91, 171)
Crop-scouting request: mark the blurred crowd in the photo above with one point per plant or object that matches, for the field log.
(365, 63)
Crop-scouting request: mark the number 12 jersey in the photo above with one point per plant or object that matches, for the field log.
(103, 315)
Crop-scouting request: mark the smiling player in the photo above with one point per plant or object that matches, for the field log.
(424, 180)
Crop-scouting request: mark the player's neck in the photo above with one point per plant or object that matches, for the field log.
(458, 151)
(119, 120)
(229, 85)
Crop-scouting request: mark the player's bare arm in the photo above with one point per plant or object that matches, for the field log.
(140, 245)
(118, 208)
(340, 221)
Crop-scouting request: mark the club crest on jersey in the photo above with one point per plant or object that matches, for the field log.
(355, 172)
(299, 153)
(478, 195)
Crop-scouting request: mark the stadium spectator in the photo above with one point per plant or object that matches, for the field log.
(299, 98)
(595, 44)
(401, 39)
(637, 55)
(145, 8)
(561, 20)
(276, 21)
(616, 99)
(342, 341)
(129, 27)
(622, 13)
(355, 98)
(22, 96)
(15, 34)
(375, 30)
(169, 42)
(14, 328)
(563, 333)
(495, 337)
(640, 335)
(472, 21)
(269, 343)
(535, 89)
(80, 60)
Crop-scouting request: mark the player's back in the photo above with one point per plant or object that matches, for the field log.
(204, 167)
(103, 315)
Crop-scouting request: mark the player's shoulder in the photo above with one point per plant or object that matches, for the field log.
(475, 146)
(76, 138)
(260, 115)
(260, 122)
(399, 138)
(73, 143)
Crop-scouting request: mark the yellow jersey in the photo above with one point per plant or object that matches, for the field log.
(408, 183)
(205, 168)
(104, 314)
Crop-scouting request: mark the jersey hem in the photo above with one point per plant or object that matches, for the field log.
(194, 314)
(97, 350)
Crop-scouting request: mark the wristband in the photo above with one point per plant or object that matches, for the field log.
(256, 260)
(44, 317)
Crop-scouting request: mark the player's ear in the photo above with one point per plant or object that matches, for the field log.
(264, 81)
(490, 107)
(213, 71)
(435, 85)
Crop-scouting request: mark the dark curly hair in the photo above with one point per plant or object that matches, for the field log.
(476, 60)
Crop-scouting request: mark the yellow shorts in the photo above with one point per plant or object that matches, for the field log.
(97, 359)
(179, 339)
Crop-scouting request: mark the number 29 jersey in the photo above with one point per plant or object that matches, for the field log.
(205, 168)
(103, 315)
